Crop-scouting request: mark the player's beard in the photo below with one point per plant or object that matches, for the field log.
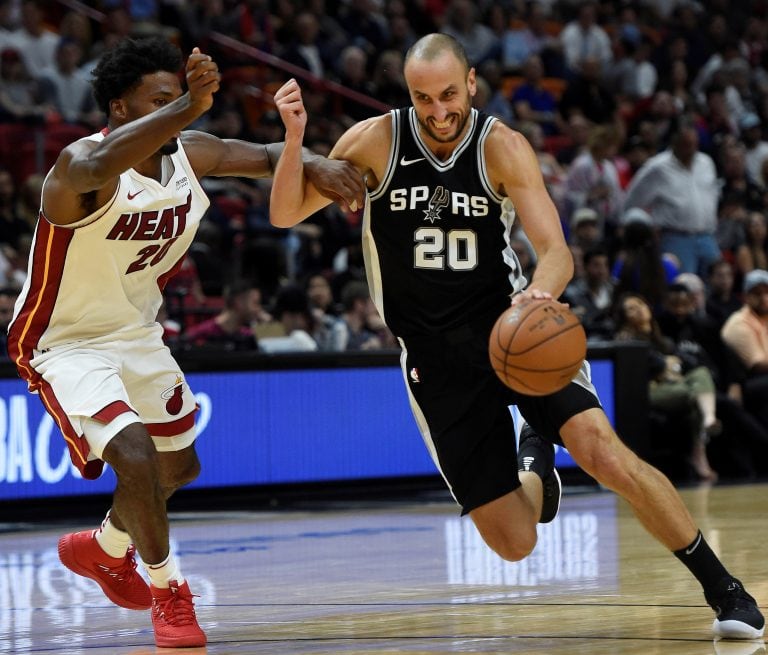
(461, 121)
(169, 147)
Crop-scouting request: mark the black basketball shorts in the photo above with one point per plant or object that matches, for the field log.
(462, 410)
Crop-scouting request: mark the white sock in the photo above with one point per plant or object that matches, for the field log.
(161, 574)
(113, 542)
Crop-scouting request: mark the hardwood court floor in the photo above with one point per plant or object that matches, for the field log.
(404, 579)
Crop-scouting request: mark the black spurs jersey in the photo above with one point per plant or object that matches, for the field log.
(436, 235)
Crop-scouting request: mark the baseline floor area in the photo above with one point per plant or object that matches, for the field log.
(403, 578)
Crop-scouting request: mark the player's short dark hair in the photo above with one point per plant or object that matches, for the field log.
(122, 68)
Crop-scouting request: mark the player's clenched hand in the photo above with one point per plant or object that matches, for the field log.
(203, 79)
(338, 180)
(291, 108)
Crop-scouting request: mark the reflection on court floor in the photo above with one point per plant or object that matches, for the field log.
(400, 578)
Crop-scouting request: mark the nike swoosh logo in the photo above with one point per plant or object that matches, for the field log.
(408, 162)
(131, 196)
(688, 551)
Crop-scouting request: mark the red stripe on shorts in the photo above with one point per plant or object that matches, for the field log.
(76, 443)
(112, 411)
(174, 428)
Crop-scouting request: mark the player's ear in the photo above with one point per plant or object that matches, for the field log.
(471, 82)
(117, 108)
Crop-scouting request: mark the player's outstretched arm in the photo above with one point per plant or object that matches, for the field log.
(84, 167)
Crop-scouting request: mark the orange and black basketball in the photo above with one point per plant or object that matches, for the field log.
(537, 347)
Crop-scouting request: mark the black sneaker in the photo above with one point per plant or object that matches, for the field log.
(538, 455)
(738, 616)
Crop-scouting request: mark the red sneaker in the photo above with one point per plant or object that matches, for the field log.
(117, 577)
(173, 617)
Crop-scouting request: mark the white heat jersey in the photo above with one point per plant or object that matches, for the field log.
(105, 273)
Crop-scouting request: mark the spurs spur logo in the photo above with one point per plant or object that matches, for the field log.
(439, 199)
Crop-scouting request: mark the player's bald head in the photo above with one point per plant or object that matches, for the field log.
(433, 46)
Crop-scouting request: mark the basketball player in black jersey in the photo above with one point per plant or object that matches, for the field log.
(445, 183)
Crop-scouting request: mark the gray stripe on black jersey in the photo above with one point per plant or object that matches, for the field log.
(482, 165)
(394, 150)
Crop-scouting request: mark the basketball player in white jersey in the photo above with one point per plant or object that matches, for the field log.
(118, 212)
(445, 183)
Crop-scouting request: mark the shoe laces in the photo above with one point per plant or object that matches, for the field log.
(176, 609)
(123, 571)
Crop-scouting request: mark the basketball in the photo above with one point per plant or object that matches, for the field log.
(537, 347)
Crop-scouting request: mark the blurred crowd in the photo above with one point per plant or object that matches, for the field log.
(648, 118)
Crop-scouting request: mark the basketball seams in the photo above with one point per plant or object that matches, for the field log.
(528, 379)
(543, 341)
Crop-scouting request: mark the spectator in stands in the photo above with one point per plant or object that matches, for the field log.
(28, 205)
(331, 34)
(676, 84)
(11, 225)
(532, 102)
(717, 124)
(731, 225)
(353, 74)
(593, 181)
(696, 287)
(640, 266)
(231, 329)
(197, 20)
(756, 148)
(524, 39)
(307, 49)
(678, 188)
(7, 24)
(583, 38)
(7, 301)
(697, 338)
(401, 33)
(294, 323)
(497, 104)
(735, 180)
(365, 25)
(18, 259)
(76, 26)
(463, 24)
(633, 77)
(21, 96)
(357, 307)
(694, 333)
(634, 153)
(746, 333)
(676, 387)
(752, 254)
(721, 299)
(36, 43)
(587, 94)
(585, 229)
(330, 331)
(388, 81)
(67, 90)
(591, 296)
(576, 130)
